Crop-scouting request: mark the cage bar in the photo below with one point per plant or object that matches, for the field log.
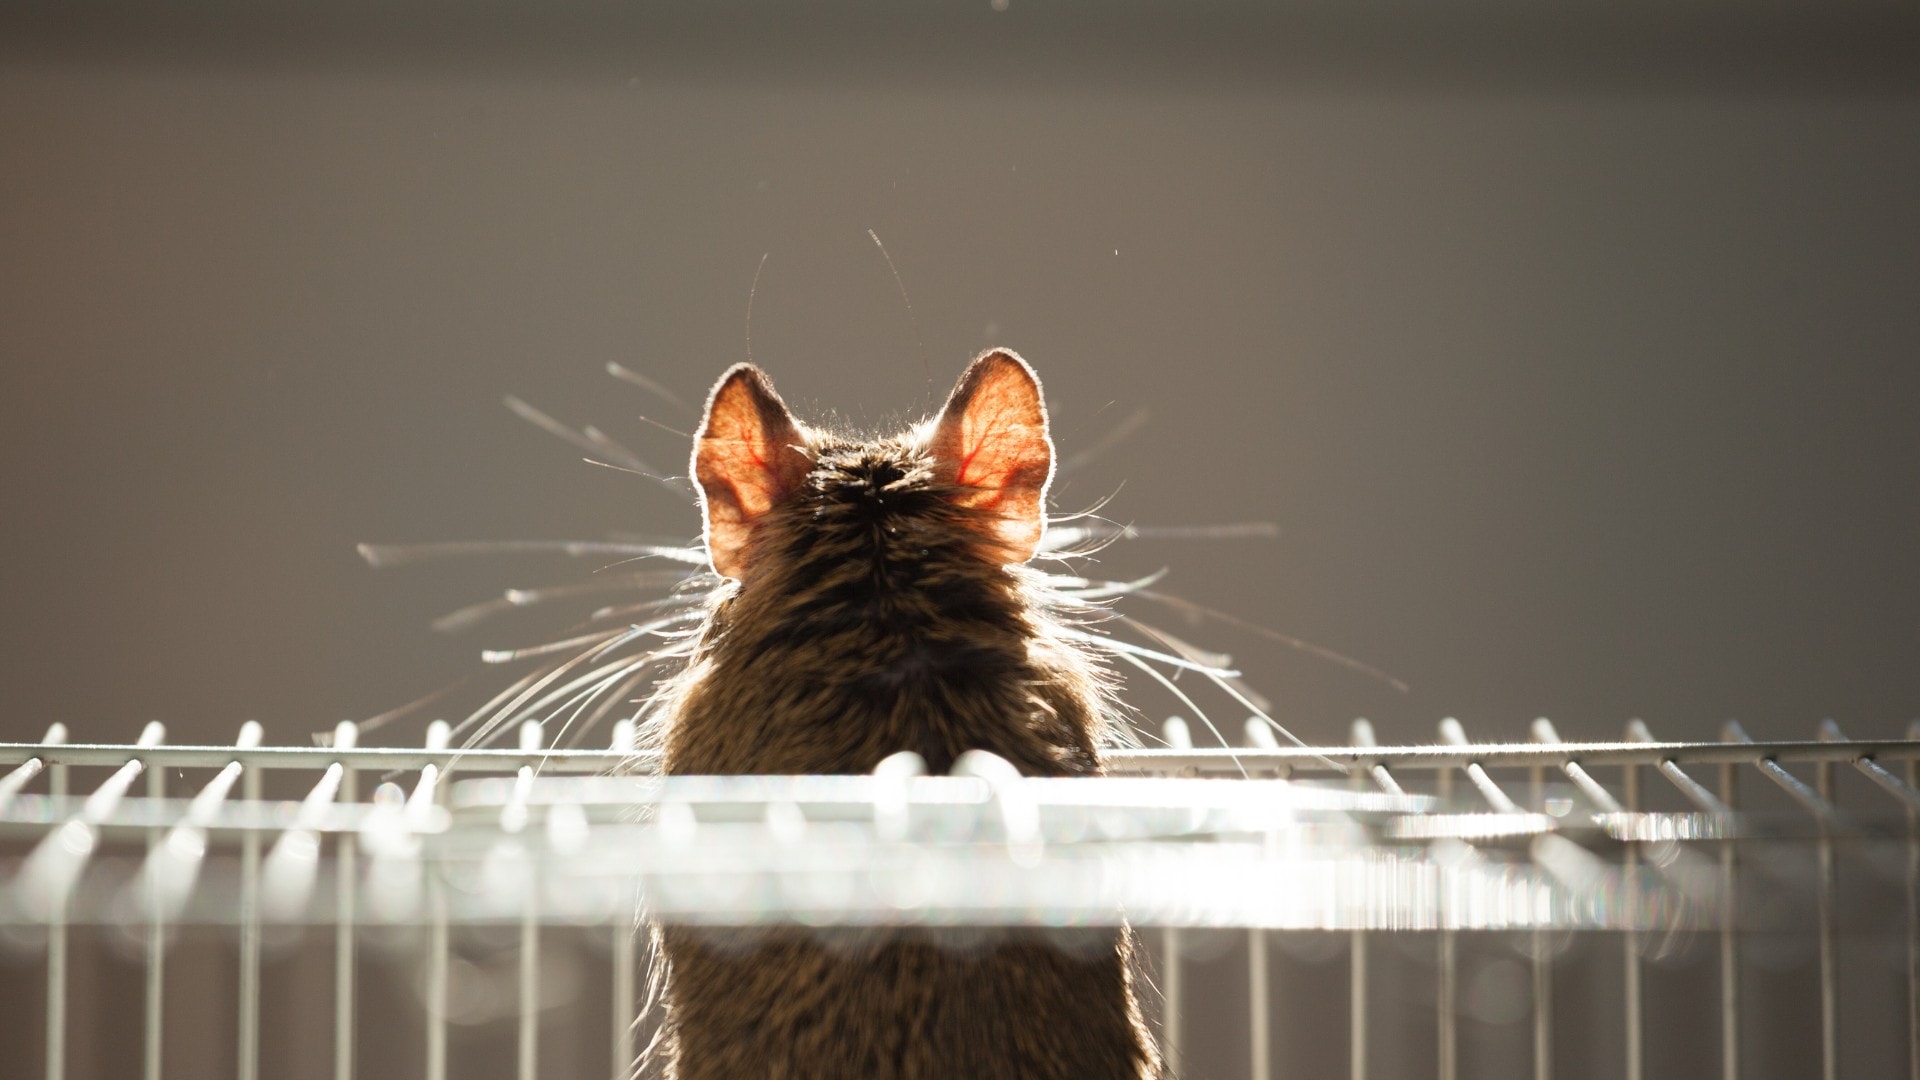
(1729, 952)
(345, 736)
(1172, 987)
(1913, 914)
(1362, 735)
(625, 955)
(1446, 950)
(1542, 962)
(156, 944)
(529, 985)
(1632, 988)
(426, 795)
(247, 1034)
(56, 1008)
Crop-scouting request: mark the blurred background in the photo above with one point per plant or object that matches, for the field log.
(1570, 351)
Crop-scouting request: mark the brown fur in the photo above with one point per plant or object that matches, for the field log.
(872, 615)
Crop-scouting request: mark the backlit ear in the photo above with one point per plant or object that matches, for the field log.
(990, 441)
(747, 456)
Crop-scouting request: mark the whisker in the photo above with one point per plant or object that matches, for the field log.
(919, 344)
(513, 599)
(631, 472)
(1146, 730)
(1115, 435)
(561, 431)
(478, 715)
(623, 610)
(607, 639)
(1087, 589)
(1188, 702)
(384, 555)
(546, 677)
(584, 699)
(1110, 532)
(1115, 645)
(1237, 530)
(1288, 640)
(1090, 512)
(753, 290)
(375, 722)
(628, 375)
(1181, 646)
(687, 435)
(1064, 541)
(1227, 684)
(638, 579)
(508, 656)
(615, 448)
(610, 702)
(518, 706)
(614, 670)
(594, 443)
(622, 562)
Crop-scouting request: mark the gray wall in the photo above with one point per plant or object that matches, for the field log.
(1572, 356)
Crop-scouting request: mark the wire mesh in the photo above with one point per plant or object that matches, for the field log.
(1442, 840)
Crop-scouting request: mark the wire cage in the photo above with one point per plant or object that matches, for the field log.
(1639, 841)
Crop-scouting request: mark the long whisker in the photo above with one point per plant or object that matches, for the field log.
(753, 289)
(919, 344)
(628, 375)
(614, 670)
(1109, 532)
(630, 472)
(508, 656)
(1115, 435)
(1227, 684)
(1115, 645)
(687, 435)
(1288, 640)
(1183, 648)
(1087, 589)
(623, 610)
(385, 718)
(1090, 512)
(561, 431)
(1188, 702)
(384, 555)
(612, 701)
(546, 678)
(492, 704)
(594, 443)
(584, 699)
(615, 448)
(1065, 543)
(513, 599)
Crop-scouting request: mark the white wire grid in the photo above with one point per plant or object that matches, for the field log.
(1532, 840)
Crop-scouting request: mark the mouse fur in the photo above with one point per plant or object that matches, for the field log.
(876, 602)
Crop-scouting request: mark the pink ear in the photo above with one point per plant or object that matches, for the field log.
(747, 456)
(990, 441)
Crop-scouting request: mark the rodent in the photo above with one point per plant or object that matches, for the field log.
(876, 602)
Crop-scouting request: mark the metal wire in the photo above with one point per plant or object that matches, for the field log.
(1452, 832)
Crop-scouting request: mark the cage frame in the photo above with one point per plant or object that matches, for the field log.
(1452, 760)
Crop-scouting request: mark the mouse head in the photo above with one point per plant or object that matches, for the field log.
(982, 466)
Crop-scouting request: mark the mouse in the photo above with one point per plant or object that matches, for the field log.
(876, 599)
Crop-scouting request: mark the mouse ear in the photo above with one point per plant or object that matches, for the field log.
(990, 441)
(747, 456)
